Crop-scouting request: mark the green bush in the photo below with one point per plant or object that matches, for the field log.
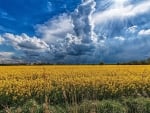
(107, 106)
(139, 105)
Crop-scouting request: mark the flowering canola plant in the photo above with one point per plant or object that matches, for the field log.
(61, 84)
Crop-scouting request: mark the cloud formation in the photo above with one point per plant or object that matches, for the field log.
(25, 42)
(132, 29)
(89, 34)
(82, 21)
(55, 29)
(6, 57)
(119, 11)
(1, 39)
(144, 32)
(27, 49)
(70, 35)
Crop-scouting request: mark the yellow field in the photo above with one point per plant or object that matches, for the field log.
(72, 83)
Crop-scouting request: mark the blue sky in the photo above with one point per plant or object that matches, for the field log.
(74, 31)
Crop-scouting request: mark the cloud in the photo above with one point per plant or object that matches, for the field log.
(120, 38)
(5, 15)
(52, 45)
(82, 21)
(7, 54)
(81, 41)
(123, 51)
(70, 35)
(144, 32)
(132, 29)
(26, 49)
(6, 57)
(55, 29)
(79, 23)
(49, 6)
(120, 3)
(25, 42)
(1, 40)
(89, 34)
(121, 12)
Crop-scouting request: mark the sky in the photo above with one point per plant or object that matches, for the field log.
(74, 31)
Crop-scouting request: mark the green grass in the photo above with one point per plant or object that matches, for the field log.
(130, 105)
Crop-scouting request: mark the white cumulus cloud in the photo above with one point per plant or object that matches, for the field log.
(25, 42)
(144, 32)
(55, 29)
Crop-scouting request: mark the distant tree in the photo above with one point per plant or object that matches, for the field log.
(101, 63)
(136, 62)
(118, 63)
